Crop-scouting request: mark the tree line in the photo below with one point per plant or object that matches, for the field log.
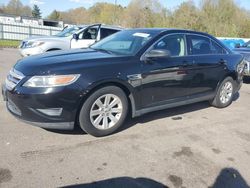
(15, 7)
(217, 17)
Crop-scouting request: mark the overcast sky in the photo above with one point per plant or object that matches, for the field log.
(47, 6)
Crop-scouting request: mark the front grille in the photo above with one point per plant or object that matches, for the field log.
(13, 78)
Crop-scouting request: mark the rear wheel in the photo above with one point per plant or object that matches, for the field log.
(104, 111)
(224, 95)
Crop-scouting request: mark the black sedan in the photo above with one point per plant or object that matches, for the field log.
(137, 70)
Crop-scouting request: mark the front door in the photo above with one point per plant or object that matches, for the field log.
(165, 80)
(87, 37)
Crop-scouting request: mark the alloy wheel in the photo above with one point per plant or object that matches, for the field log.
(106, 111)
(226, 92)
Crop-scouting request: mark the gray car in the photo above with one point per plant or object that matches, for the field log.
(70, 38)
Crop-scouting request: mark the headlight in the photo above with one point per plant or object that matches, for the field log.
(241, 67)
(34, 44)
(51, 81)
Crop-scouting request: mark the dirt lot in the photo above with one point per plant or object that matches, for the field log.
(192, 146)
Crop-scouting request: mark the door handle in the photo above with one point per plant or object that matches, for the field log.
(186, 64)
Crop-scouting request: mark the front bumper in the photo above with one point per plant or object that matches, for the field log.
(238, 85)
(238, 82)
(34, 106)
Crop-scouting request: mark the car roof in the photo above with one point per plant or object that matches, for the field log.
(161, 30)
(102, 26)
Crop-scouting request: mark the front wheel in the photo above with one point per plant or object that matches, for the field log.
(104, 111)
(224, 95)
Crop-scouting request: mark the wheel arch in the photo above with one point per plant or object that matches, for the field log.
(53, 49)
(233, 75)
(128, 90)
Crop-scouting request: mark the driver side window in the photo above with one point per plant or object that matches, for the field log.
(175, 44)
(89, 34)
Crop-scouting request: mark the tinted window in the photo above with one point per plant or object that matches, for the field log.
(107, 32)
(175, 44)
(217, 49)
(198, 45)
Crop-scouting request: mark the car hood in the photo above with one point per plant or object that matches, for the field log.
(45, 38)
(57, 62)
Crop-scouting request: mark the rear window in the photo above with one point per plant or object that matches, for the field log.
(199, 45)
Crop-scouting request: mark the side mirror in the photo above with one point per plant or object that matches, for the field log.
(237, 45)
(155, 54)
(75, 36)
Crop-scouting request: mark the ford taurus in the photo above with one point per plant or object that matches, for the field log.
(137, 70)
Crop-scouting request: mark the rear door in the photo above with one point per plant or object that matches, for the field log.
(87, 37)
(209, 64)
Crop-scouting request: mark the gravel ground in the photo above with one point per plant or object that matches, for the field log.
(191, 146)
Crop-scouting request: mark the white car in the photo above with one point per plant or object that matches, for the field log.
(70, 38)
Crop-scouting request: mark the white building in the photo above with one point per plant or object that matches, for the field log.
(11, 19)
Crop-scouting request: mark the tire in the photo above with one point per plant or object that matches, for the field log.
(104, 111)
(220, 101)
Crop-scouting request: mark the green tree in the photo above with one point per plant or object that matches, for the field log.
(36, 12)
(105, 13)
(55, 15)
(217, 17)
(148, 13)
(77, 16)
(2, 9)
(187, 16)
(17, 8)
(222, 17)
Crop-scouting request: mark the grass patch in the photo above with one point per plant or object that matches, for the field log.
(9, 43)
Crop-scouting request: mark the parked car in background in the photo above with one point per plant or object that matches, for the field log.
(233, 43)
(141, 70)
(70, 38)
(239, 46)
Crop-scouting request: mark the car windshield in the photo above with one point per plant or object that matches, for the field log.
(68, 32)
(127, 42)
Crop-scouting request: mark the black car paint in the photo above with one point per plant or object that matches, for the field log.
(185, 79)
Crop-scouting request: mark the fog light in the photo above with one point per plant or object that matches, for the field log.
(51, 111)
